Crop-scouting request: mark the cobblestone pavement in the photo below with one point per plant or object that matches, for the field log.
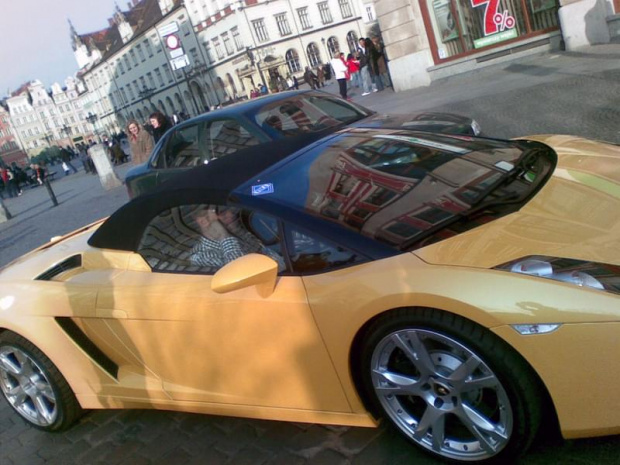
(576, 93)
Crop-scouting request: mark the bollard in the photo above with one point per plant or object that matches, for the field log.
(5, 214)
(47, 185)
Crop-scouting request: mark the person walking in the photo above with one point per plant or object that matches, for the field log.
(382, 69)
(353, 65)
(310, 78)
(160, 125)
(374, 66)
(65, 155)
(340, 73)
(320, 74)
(364, 63)
(140, 142)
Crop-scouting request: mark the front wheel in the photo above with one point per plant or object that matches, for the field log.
(34, 387)
(450, 386)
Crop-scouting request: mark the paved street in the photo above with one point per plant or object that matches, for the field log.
(570, 93)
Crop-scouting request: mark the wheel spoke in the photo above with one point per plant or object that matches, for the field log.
(488, 381)
(485, 431)
(398, 384)
(43, 411)
(415, 350)
(8, 365)
(466, 369)
(435, 420)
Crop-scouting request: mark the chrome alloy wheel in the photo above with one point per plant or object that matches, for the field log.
(441, 394)
(26, 387)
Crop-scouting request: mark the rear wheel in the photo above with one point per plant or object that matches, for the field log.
(34, 387)
(450, 386)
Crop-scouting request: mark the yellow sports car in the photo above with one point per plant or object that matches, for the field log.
(466, 290)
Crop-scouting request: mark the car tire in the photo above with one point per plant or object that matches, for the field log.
(450, 386)
(33, 386)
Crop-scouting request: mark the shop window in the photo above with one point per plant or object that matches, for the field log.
(465, 26)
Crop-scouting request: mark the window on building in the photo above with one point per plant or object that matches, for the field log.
(160, 79)
(292, 61)
(314, 55)
(333, 46)
(209, 52)
(136, 88)
(130, 92)
(219, 51)
(370, 13)
(194, 54)
(149, 76)
(140, 52)
(282, 22)
(304, 19)
(345, 8)
(326, 14)
(142, 82)
(127, 64)
(167, 72)
(237, 38)
(352, 41)
(227, 43)
(260, 30)
(133, 57)
(149, 49)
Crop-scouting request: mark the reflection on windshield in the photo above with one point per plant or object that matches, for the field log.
(306, 114)
(401, 189)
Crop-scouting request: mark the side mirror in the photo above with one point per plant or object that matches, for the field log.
(250, 270)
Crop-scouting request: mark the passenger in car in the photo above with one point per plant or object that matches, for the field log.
(224, 238)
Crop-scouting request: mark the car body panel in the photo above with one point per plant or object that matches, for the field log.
(574, 215)
(583, 383)
(344, 300)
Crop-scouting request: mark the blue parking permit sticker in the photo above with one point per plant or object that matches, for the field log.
(262, 189)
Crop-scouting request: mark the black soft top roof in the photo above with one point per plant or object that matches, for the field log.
(210, 183)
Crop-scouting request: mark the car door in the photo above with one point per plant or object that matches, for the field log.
(243, 347)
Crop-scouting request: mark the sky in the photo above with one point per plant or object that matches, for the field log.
(37, 40)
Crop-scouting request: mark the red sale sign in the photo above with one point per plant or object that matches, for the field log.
(494, 21)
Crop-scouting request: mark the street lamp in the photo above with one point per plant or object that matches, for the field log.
(147, 93)
(254, 64)
(92, 119)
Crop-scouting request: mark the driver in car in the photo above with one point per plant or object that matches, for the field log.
(224, 238)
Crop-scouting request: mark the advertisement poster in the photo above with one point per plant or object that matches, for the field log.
(445, 20)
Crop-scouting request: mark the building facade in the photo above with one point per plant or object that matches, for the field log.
(10, 149)
(439, 38)
(186, 57)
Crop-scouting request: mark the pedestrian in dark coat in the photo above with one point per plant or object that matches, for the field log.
(160, 125)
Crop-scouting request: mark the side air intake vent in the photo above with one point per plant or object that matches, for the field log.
(72, 262)
(88, 346)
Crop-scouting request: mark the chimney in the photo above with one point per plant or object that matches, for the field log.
(111, 22)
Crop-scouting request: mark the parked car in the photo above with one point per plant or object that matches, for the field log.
(464, 289)
(307, 114)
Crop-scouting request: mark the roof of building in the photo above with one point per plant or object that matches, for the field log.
(141, 17)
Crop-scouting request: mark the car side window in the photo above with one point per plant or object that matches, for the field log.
(182, 148)
(202, 238)
(225, 136)
(310, 253)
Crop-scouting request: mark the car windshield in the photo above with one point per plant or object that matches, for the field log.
(308, 113)
(410, 189)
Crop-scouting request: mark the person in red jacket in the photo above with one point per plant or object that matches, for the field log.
(353, 65)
